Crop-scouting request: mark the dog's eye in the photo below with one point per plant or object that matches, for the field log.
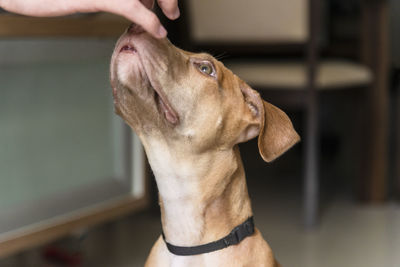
(206, 68)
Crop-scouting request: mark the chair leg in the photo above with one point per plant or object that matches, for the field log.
(397, 143)
(311, 182)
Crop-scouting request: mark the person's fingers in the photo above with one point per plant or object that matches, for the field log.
(139, 14)
(170, 8)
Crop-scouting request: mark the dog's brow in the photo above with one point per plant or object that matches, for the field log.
(206, 56)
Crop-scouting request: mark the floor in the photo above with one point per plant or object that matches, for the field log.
(349, 234)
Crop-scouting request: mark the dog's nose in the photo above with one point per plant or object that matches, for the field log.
(135, 29)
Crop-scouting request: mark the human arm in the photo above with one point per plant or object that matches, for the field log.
(135, 10)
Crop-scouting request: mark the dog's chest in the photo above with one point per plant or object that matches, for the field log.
(219, 258)
(184, 262)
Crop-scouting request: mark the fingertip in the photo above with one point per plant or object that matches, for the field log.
(157, 31)
(170, 8)
(172, 14)
(152, 25)
(155, 28)
(176, 14)
(162, 32)
(141, 15)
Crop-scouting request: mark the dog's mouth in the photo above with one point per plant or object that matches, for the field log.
(128, 48)
(163, 106)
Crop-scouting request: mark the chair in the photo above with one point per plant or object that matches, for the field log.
(276, 28)
(396, 133)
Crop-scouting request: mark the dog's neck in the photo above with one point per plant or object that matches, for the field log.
(202, 197)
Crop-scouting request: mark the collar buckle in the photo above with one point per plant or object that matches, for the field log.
(239, 233)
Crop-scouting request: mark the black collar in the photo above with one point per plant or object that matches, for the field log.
(239, 233)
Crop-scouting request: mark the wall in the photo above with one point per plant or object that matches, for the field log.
(56, 117)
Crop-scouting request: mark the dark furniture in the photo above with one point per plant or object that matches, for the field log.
(260, 35)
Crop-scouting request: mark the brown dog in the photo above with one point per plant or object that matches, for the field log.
(190, 113)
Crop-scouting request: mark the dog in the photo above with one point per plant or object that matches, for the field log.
(190, 113)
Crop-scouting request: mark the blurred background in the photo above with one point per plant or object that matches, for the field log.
(75, 188)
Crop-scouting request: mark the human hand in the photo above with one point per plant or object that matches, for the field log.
(138, 11)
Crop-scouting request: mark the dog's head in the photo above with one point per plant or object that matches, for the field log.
(191, 100)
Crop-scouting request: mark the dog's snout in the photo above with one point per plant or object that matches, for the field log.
(135, 29)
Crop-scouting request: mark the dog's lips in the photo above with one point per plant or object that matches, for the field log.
(164, 106)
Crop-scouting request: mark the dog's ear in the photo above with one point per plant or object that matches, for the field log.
(274, 129)
(277, 134)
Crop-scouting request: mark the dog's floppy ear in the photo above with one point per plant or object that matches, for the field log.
(277, 134)
(274, 129)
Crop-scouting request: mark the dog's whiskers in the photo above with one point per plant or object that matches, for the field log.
(221, 56)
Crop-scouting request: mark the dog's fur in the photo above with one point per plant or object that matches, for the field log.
(190, 121)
